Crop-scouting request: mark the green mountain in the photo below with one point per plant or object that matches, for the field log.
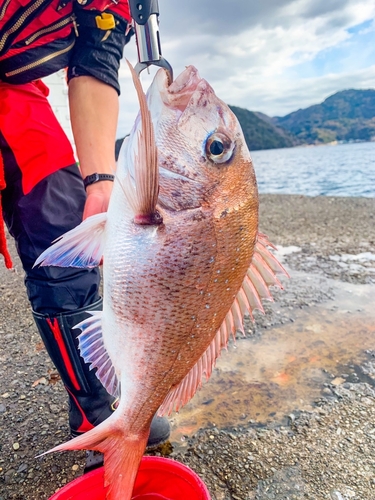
(345, 116)
(260, 132)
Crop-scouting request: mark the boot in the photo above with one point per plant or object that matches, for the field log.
(89, 402)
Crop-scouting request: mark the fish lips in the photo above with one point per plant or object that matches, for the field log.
(186, 90)
(179, 93)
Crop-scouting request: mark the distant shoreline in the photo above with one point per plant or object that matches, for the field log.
(333, 143)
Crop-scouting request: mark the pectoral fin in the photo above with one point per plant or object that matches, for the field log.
(81, 247)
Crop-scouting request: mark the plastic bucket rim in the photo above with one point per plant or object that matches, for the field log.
(147, 464)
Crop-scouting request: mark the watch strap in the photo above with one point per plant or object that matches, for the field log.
(91, 179)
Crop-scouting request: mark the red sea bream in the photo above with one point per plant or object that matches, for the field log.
(183, 263)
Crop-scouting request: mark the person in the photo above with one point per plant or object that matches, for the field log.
(44, 193)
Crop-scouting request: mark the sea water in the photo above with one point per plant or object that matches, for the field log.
(329, 170)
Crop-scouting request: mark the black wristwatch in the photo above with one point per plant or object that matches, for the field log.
(91, 179)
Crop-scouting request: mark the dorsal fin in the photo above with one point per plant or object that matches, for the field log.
(142, 194)
(255, 288)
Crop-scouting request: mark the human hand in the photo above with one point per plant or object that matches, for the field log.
(98, 196)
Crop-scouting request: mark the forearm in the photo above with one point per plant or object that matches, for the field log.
(94, 114)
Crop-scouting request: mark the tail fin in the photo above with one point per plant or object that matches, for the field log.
(122, 454)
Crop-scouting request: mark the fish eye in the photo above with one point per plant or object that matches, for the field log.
(219, 147)
(216, 147)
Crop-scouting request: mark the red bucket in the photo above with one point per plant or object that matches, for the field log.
(157, 479)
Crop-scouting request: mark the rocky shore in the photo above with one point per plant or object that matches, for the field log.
(320, 449)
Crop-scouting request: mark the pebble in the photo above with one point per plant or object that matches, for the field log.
(336, 495)
(326, 391)
(22, 468)
(338, 381)
(16, 446)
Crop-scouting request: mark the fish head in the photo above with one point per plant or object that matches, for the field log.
(202, 154)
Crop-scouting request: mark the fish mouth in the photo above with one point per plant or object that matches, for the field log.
(179, 93)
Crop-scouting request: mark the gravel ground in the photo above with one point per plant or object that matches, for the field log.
(325, 228)
(327, 452)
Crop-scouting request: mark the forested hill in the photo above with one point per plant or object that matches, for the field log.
(345, 116)
(261, 133)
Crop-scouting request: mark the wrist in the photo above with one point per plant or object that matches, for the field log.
(96, 177)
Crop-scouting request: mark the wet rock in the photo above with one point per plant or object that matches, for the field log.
(337, 381)
(22, 468)
(326, 391)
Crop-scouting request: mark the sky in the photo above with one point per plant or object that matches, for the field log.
(272, 56)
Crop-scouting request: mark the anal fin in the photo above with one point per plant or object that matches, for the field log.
(94, 353)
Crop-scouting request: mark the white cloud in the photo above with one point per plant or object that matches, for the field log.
(250, 54)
